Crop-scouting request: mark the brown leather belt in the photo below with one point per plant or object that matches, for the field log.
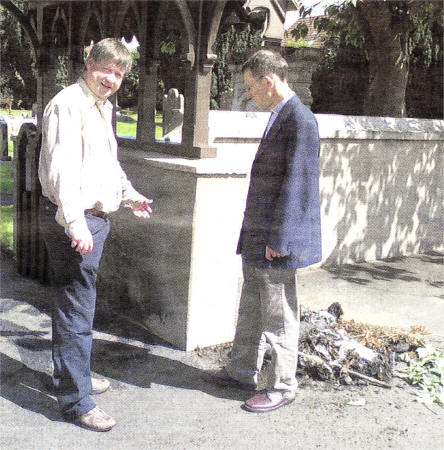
(97, 213)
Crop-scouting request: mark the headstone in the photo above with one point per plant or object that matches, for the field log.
(34, 109)
(4, 140)
(173, 107)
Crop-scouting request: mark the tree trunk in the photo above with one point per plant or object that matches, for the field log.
(387, 74)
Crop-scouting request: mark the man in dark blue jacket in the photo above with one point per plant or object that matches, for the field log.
(281, 232)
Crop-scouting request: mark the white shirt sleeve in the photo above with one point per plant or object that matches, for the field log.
(61, 163)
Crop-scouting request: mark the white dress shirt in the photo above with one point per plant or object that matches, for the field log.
(276, 110)
(78, 166)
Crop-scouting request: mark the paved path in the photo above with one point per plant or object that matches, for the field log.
(160, 401)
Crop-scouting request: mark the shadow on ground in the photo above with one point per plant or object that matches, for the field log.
(27, 388)
(125, 365)
(136, 366)
(365, 273)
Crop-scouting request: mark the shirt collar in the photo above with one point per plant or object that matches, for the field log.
(282, 103)
(92, 98)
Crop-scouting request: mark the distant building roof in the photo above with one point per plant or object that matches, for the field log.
(314, 37)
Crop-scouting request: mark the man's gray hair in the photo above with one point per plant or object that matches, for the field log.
(265, 62)
(111, 49)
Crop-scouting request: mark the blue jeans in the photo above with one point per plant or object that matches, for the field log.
(74, 276)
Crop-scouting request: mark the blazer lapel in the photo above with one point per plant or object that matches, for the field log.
(273, 131)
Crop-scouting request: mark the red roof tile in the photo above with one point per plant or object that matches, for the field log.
(314, 38)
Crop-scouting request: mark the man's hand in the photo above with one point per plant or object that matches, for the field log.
(270, 254)
(82, 241)
(142, 209)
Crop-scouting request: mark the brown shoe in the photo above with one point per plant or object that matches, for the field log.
(221, 378)
(268, 401)
(95, 420)
(99, 385)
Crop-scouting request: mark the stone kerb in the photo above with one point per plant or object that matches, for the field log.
(173, 110)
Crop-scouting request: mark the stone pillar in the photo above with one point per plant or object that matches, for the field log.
(46, 70)
(302, 63)
(197, 106)
(146, 127)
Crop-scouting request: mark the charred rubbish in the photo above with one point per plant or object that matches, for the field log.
(341, 351)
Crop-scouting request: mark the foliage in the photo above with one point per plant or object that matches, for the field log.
(426, 372)
(231, 47)
(16, 79)
(128, 92)
(171, 55)
(292, 43)
(62, 76)
(381, 41)
(413, 22)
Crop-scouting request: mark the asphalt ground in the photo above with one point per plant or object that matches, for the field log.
(159, 399)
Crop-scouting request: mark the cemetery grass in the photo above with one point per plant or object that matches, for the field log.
(15, 112)
(6, 226)
(6, 211)
(6, 187)
(125, 129)
(6, 178)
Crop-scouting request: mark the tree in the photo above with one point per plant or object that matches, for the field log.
(388, 32)
(128, 92)
(16, 78)
(232, 46)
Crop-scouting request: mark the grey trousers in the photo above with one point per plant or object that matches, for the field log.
(268, 313)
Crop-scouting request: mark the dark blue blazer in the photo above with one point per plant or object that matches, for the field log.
(282, 208)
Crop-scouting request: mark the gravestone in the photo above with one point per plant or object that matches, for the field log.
(173, 107)
(4, 140)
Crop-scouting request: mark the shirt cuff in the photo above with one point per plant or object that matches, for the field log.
(77, 227)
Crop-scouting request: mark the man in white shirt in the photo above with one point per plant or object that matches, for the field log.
(82, 181)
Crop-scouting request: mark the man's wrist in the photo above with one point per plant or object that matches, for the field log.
(77, 227)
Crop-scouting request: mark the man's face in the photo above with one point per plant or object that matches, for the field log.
(258, 90)
(104, 77)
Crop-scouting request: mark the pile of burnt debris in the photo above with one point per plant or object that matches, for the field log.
(348, 352)
(343, 351)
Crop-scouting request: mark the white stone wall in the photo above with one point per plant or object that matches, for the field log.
(381, 187)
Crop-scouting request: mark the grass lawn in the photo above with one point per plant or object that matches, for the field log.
(6, 226)
(129, 129)
(6, 211)
(15, 112)
(6, 177)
